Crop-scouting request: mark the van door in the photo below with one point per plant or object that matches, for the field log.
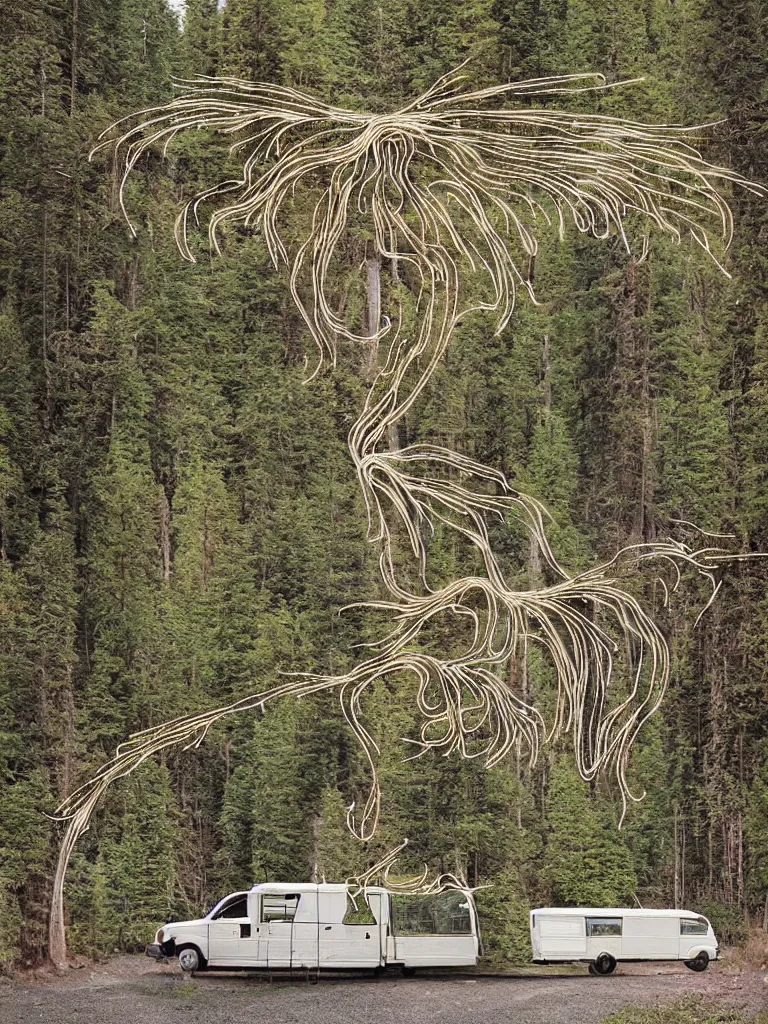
(277, 913)
(693, 933)
(231, 939)
(379, 904)
(349, 934)
(304, 934)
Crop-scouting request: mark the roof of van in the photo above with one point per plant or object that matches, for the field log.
(299, 887)
(612, 912)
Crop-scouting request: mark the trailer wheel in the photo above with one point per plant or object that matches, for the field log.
(699, 963)
(408, 972)
(191, 959)
(605, 964)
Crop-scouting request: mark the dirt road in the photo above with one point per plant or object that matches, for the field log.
(131, 990)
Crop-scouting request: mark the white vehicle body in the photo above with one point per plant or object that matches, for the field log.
(563, 934)
(316, 926)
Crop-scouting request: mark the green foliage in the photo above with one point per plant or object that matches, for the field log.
(179, 521)
(504, 911)
(757, 835)
(586, 861)
(11, 924)
(136, 876)
(727, 922)
(337, 854)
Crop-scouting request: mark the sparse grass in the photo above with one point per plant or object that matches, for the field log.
(186, 990)
(688, 1011)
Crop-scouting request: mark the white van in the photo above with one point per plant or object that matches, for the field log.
(319, 926)
(604, 936)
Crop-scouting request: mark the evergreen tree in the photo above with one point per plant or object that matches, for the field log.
(179, 521)
(586, 862)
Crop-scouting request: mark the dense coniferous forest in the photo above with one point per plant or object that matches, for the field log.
(180, 521)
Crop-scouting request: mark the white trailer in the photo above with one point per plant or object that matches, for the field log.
(278, 926)
(604, 936)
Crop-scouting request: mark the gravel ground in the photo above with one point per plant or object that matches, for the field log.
(131, 990)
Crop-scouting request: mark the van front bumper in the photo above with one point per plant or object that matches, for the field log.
(161, 951)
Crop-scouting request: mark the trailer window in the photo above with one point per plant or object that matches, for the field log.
(446, 913)
(693, 925)
(603, 926)
(237, 908)
(279, 906)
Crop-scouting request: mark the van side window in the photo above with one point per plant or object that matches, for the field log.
(360, 914)
(279, 906)
(445, 913)
(603, 926)
(237, 908)
(693, 925)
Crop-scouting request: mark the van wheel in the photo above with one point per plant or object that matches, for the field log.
(408, 972)
(605, 964)
(191, 959)
(699, 963)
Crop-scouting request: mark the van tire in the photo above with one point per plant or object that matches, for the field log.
(605, 964)
(699, 963)
(190, 959)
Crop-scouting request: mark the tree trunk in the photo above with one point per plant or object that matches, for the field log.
(373, 318)
(165, 534)
(677, 863)
(57, 936)
(73, 62)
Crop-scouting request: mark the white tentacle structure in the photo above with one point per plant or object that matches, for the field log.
(452, 186)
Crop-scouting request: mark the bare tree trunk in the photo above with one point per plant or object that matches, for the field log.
(44, 299)
(545, 381)
(73, 63)
(373, 317)
(68, 712)
(546, 372)
(165, 534)
(677, 862)
(57, 940)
